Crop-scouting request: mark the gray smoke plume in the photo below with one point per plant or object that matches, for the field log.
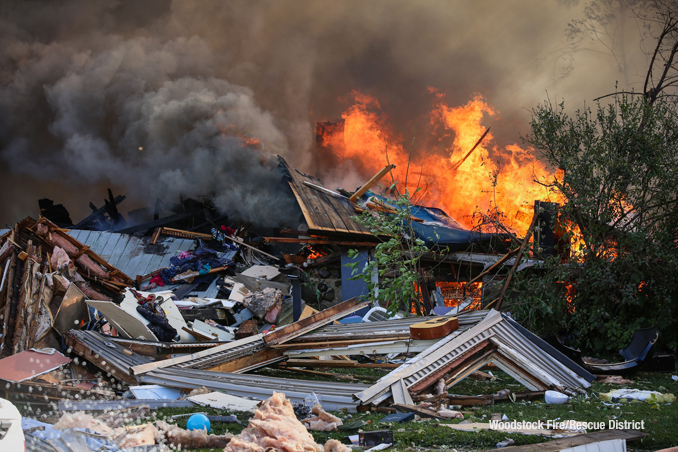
(162, 97)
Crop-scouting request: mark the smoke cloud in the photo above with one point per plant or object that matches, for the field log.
(166, 98)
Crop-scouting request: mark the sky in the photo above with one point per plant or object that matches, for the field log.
(162, 98)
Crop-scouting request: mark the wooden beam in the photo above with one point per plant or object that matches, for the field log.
(258, 359)
(370, 183)
(500, 262)
(515, 264)
(336, 363)
(325, 190)
(318, 241)
(579, 440)
(315, 321)
(415, 409)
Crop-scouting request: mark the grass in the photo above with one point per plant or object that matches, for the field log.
(660, 421)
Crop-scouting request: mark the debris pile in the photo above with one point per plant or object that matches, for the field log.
(120, 318)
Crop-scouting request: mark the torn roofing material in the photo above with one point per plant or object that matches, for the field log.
(334, 396)
(494, 339)
(435, 227)
(132, 254)
(324, 213)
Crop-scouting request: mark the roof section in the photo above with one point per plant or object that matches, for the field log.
(323, 212)
(131, 254)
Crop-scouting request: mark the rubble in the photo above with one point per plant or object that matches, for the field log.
(181, 318)
(275, 426)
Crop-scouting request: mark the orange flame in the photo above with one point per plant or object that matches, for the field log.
(461, 189)
(457, 292)
(313, 254)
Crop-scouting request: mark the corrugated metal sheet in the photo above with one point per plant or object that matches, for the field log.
(208, 358)
(333, 395)
(514, 352)
(109, 351)
(130, 253)
(387, 327)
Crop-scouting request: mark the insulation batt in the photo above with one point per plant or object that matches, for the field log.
(323, 421)
(179, 437)
(265, 304)
(84, 260)
(275, 427)
(83, 420)
(449, 414)
(148, 434)
(142, 435)
(441, 386)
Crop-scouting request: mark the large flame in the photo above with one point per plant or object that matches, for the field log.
(462, 184)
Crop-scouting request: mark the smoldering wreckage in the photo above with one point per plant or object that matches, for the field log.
(104, 322)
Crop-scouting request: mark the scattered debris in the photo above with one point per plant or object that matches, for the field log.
(275, 426)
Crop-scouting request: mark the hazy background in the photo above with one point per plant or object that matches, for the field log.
(159, 98)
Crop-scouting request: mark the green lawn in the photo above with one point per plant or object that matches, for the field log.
(660, 421)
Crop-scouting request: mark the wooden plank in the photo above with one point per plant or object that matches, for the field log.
(373, 181)
(315, 203)
(470, 400)
(318, 241)
(144, 368)
(580, 440)
(332, 344)
(315, 321)
(337, 363)
(110, 245)
(415, 409)
(328, 207)
(499, 263)
(302, 204)
(250, 362)
(325, 190)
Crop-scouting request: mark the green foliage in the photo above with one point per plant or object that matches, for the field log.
(620, 176)
(393, 273)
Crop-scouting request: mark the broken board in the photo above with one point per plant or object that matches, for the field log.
(223, 401)
(127, 325)
(261, 271)
(30, 364)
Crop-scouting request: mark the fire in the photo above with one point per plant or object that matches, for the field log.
(313, 254)
(458, 182)
(455, 293)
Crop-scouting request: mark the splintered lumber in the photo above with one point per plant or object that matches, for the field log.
(90, 263)
(325, 190)
(184, 234)
(528, 234)
(370, 183)
(98, 212)
(336, 363)
(318, 241)
(315, 321)
(415, 409)
(464, 400)
(580, 440)
(491, 268)
(198, 235)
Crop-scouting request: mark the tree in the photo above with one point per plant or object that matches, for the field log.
(606, 27)
(393, 274)
(619, 177)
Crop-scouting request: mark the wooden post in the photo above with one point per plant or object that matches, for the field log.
(528, 234)
(370, 183)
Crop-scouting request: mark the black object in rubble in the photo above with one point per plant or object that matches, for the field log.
(301, 411)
